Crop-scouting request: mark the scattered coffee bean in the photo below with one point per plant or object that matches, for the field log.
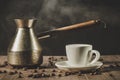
(20, 76)
(61, 58)
(59, 71)
(59, 75)
(2, 65)
(101, 59)
(38, 68)
(16, 71)
(35, 71)
(43, 70)
(4, 71)
(52, 58)
(53, 70)
(25, 68)
(20, 73)
(79, 74)
(67, 73)
(42, 75)
(55, 59)
(1, 72)
(92, 73)
(96, 73)
(49, 58)
(102, 68)
(53, 74)
(30, 75)
(111, 66)
(5, 63)
(85, 72)
(36, 76)
(11, 73)
(111, 75)
(73, 73)
(51, 63)
(117, 65)
(47, 75)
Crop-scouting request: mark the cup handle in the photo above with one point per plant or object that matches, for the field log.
(97, 53)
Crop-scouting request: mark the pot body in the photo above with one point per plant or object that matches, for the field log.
(24, 49)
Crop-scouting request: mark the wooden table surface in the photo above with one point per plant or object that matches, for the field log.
(109, 71)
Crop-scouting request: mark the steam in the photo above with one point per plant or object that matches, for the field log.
(49, 6)
(52, 14)
(59, 13)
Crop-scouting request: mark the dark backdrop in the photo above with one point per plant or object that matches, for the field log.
(57, 13)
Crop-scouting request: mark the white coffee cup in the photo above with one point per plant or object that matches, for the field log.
(81, 54)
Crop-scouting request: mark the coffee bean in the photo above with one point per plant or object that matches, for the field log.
(30, 75)
(42, 75)
(49, 58)
(99, 73)
(35, 71)
(20, 73)
(43, 70)
(117, 65)
(16, 71)
(47, 75)
(1, 71)
(25, 68)
(92, 73)
(73, 73)
(59, 75)
(111, 66)
(5, 63)
(38, 68)
(11, 73)
(111, 75)
(52, 58)
(61, 58)
(53, 70)
(55, 59)
(4, 71)
(51, 63)
(101, 59)
(53, 74)
(79, 74)
(2, 65)
(20, 76)
(59, 71)
(66, 74)
(36, 76)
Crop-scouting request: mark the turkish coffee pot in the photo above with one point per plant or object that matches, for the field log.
(25, 50)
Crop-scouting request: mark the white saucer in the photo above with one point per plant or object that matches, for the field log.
(65, 66)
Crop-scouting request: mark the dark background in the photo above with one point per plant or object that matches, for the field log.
(52, 14)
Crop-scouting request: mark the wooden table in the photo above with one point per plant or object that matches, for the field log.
(110, 70)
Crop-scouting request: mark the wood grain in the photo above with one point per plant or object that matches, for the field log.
(107, 74)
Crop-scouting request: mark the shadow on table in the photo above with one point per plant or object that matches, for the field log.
(111, 66)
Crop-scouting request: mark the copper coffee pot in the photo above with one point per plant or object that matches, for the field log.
(25, 50)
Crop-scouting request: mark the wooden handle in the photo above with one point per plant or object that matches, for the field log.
(79, 25)
(88, 23)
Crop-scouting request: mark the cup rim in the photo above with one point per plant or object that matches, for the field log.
(78, 45)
